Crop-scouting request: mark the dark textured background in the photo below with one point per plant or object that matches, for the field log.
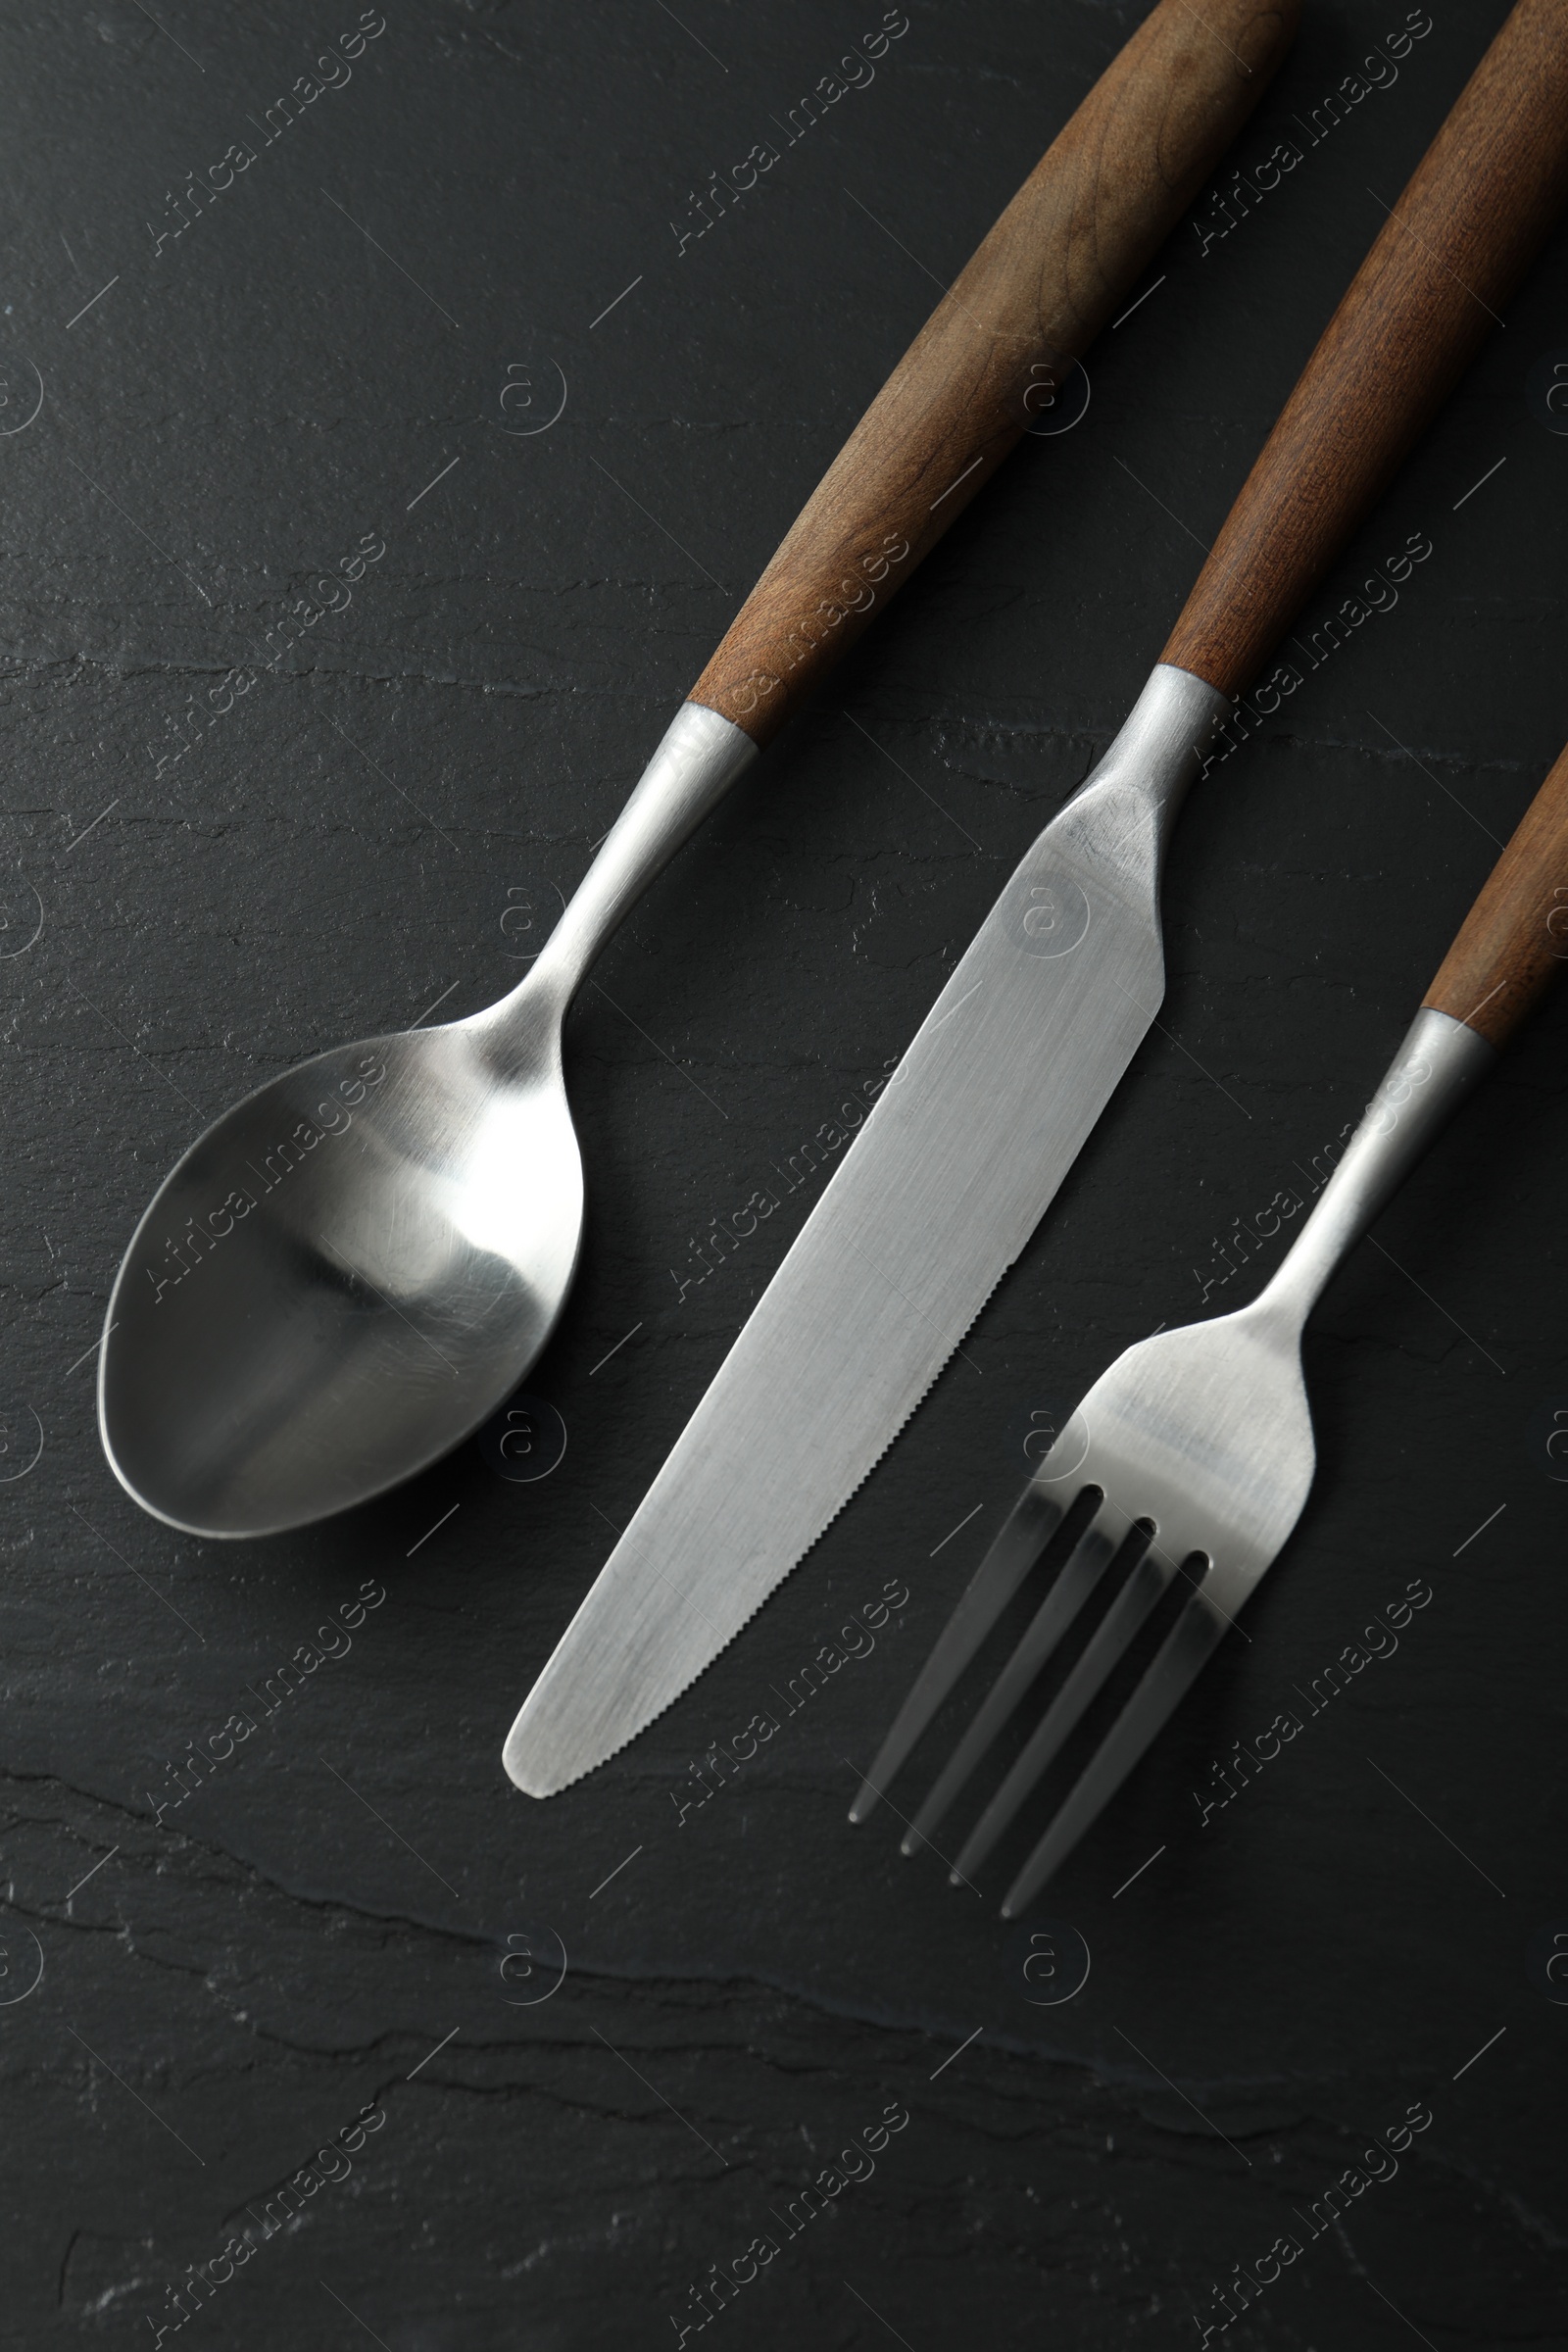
(391, 816)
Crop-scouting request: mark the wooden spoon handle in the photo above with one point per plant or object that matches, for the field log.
(1516, 934)
(1444, 265)
(1067, 251)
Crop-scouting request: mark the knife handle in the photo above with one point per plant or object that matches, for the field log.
(1516, 934)
(1067, 251)
(1444, 265)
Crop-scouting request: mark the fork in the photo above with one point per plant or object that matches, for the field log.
(1193, 1455)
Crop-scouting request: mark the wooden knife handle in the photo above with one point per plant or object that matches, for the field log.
(1067, 251)
(1516, 934)
(1444, 263)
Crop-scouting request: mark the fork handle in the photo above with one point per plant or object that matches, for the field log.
(1444, 265)
(1437, 1065)
(1505, 952)
(1516, 934)
(1065, 254)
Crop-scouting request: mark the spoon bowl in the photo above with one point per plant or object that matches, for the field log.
(343, 1278)
(353, 1267)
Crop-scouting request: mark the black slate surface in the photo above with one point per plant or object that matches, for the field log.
(600, 2047)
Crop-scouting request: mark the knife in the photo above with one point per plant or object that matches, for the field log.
(987, 1110)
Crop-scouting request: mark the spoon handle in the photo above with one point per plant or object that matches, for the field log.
(989, 362)
(991, 359)
(698, 759)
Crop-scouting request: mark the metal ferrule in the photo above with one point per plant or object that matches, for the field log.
(698, 759)
(1429, 1076)
(1158, 751)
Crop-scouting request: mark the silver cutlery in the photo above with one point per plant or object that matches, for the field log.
(965, 1149)
(357, 1264)
(1194, 1453)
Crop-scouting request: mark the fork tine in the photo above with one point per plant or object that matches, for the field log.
(1121, 1621)
(1080, 1573)
(1019, 1541)
(1183, 1654)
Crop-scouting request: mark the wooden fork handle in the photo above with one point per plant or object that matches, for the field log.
(1065, 254)
(1444, 265)
(1516, 934)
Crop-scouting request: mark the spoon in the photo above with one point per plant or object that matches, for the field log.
(356, 1265)
(353, 1267)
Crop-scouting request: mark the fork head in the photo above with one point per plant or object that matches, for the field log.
(1193, 1456)
(1205, 1432)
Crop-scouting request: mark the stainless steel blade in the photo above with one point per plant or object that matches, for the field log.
(952, 1172)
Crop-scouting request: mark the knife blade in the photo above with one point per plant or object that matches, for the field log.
(966, 1146)
(1028, 1039)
